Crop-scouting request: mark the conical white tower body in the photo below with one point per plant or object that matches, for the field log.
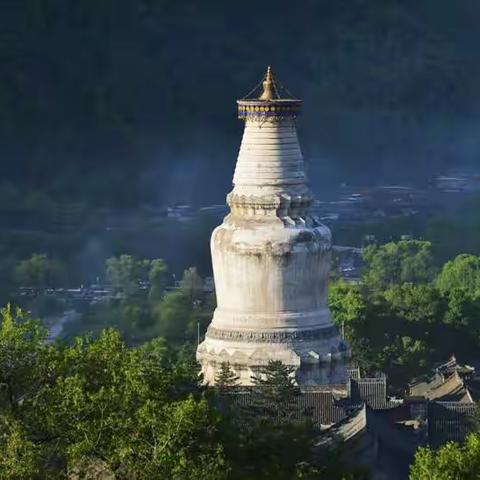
(271, 260)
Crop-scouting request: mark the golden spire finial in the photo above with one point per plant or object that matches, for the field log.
(269, 88)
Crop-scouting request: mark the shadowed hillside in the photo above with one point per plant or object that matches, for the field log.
(141, 92)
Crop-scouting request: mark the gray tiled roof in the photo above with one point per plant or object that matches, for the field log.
(321, 406)
(325, 407)
(372, 391)
(449, 389)
(331, 404)
(449, 421)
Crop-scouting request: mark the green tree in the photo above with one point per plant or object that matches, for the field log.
(275, 390)
(97, 407)
(134, 320)
(135, 311)
(347, 305)
(126, 272)
(274, 436)
(19, 456)
(463, 310)
(452, 461)
(392, 329)
(361, 315)
(462, 324)
(463, 272)
(157, 277)
(404, 261)
(39, 271)
(225, 378)
(405, 358)
(420, 303)
(22, 356)
(192, 283)
(179, 456)
(200, 316)
(97, 403)
(172, 315)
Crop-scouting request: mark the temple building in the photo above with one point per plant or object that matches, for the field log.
(271, 257)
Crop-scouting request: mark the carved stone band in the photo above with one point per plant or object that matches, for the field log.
(281, 336)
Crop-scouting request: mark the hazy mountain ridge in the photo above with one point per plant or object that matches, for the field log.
(138, 91)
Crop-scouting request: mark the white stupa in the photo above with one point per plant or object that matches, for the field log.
(271, 258)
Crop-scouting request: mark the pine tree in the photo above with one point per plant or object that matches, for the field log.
(275, 391)
(225, 378)
(275, 432)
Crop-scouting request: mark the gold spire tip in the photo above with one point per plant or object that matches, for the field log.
(269, 87)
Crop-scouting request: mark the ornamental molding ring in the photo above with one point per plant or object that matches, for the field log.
(271, 201)
(282, 336)
(257, 117)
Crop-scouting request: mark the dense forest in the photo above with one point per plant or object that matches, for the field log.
(407, 315)
(98, 409)
(98, 95)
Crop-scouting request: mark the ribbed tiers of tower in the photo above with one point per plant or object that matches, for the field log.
(269, 156)
(271, 259)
